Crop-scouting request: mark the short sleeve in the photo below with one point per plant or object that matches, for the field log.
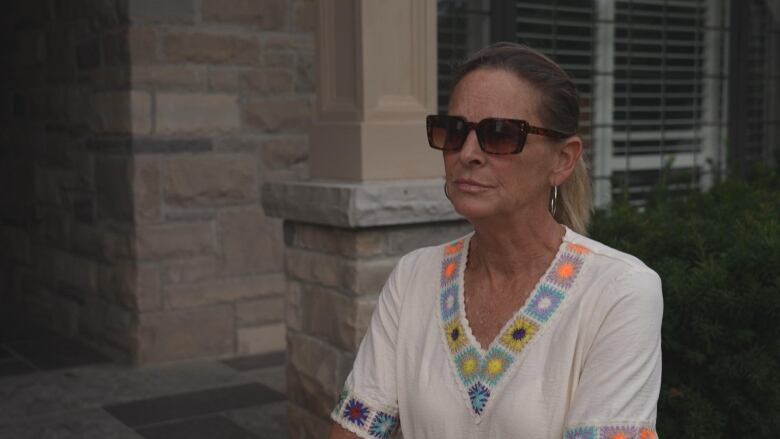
(618, 390)
(368, 404)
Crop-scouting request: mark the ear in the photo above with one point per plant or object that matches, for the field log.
(565, 158)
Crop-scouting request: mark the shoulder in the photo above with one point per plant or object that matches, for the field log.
(616, 275)
(428, 260)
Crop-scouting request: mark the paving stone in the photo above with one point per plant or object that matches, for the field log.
(10, 367)
(82, 424)
(204, 427)
(172, 407)
(256, 361)
(57, 354)
(267, 422)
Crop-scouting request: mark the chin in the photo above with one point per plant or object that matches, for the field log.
(472, 209)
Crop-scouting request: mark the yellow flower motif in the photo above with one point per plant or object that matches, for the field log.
(495, 366)
(456, 338)
(469, 365)
(518, 334)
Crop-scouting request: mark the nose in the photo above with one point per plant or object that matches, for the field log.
(471, 154)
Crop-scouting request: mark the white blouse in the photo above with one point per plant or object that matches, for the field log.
(580, 359)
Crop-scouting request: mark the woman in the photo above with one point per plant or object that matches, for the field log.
(524, 328)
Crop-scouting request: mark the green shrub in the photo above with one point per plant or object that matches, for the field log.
(718, 255)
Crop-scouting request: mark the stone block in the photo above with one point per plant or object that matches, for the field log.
(285, 152)
(211, 48)
(211, 180)
(147, 188)
(189, 270)
(313, 267)
(278, 115)
(16, 244)
(334, 317)
(121, 112)
(182, 113)
(224, 79)
(250, 242)
(167, 77)
(72, 270)
(305, 73)
(113, 180)
(259, 14)
(183, 240)
(296, 42)
(401, 240)
(293, 306)
(301, 424)
(304, 17)
(267, 81)
(314, 359)
(369, 276)
(223, 290)
(261, 339)
(351, 243)
(184, 334)
(130, 286)
(164, 12)
(50, 186)
(256, 312)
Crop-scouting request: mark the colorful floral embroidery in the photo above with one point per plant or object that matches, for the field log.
(565, 271)
(497, 362)
(518, 334)
(383, 425)
(582, 433)
(355, 412)
(623, 431)
(355, 415)
(449, 268)
(479, 395)
(449, 302)
(618, 432)
(544, 304)
(456, 337)
(482, 373)
(469, 365)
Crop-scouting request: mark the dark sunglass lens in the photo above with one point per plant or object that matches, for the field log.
(500, 136)
(445, 132)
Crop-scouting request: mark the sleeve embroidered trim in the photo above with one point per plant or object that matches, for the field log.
(366, 421)
(612, 431)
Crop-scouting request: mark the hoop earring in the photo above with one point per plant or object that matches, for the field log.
(446, 193)
(554, 200)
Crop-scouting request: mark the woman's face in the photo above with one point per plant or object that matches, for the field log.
(483, 185)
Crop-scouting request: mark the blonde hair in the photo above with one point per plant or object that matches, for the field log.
(575, 199)
(559, 110)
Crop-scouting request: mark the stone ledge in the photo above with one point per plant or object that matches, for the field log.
(358, 204)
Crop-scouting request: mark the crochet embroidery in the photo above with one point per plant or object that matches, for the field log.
(611, 432)
(359, 417)
(481, 373)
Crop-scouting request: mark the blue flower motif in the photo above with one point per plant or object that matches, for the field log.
(356, 412)
(581, 433)
(383, 425)
(449, 301)
(479, 395)
(544, 302)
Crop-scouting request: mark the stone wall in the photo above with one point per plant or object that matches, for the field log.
(137, 134)
(343, 240)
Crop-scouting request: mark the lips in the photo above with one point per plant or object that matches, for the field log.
(473, 186)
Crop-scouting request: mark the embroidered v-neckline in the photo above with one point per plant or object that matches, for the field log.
(462, 295)
(481, 372)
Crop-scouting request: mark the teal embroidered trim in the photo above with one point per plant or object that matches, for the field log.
(357, 416)
(615, 431)
(481, 374)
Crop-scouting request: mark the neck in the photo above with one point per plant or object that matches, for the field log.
(507, 248)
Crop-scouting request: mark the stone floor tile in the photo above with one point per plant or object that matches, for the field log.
(267, 422)
(205, 427)
(256, 361)
(11, 367)
(57, 353)
(273, 377)
(85, 424)
(172, 407)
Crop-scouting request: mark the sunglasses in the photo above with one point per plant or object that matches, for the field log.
(494, 135)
